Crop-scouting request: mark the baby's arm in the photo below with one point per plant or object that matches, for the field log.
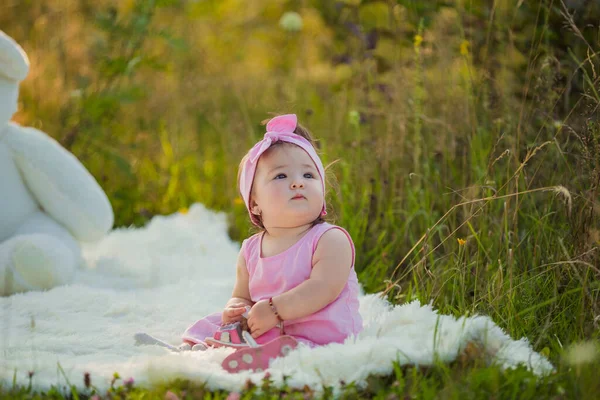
(331, 267)
(240, 297)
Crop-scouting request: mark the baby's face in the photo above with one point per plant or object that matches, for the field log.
(283, 173)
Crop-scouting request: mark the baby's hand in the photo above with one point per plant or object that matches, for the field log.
(261, 318)
(233, 313)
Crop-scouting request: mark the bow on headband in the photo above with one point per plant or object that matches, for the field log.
(280, 128)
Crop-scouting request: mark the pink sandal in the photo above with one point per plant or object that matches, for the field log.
(230, 335)
(257, 357)
(249, 354)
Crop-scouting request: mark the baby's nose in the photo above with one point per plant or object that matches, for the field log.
(296, 185)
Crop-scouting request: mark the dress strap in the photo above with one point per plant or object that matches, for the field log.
(324, 227)
(248, 249)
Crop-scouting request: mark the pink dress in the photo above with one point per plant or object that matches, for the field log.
(271, 276)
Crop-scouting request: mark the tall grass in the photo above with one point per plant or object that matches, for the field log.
(463, 161)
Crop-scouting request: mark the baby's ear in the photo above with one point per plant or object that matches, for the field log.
(254, 208)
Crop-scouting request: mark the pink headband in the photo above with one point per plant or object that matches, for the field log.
(280, 128)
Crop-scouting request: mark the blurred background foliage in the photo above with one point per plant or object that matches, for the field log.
(419, 105)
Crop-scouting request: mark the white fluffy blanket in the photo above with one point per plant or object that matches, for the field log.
(160, 278)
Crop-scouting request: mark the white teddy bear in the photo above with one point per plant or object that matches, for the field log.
(48, 200)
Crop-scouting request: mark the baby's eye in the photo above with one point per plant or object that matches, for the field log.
(309, 175)
(282, 175)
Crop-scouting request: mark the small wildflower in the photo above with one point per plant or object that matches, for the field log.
(87, 380)
(183, 210)
(418, 41)
(30, 373)
(171, 396)
(238, 201)
(233, 396)
(464, 47)
(291, 21)
(116, 377)
(461, 242)
(129, 382)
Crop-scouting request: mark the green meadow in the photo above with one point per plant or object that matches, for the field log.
(461, 138)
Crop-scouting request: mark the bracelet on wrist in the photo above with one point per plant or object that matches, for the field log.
(281, 329)
(274, 310)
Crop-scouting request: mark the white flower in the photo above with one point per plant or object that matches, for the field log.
(291, 21)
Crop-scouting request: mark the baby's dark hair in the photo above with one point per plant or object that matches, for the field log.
(301, 131)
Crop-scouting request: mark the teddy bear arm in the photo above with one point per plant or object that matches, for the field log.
(60, 183)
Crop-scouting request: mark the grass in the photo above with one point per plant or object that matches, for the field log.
(467, 378)
(463, 162)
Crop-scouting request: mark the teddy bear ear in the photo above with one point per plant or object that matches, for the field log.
(14, 64)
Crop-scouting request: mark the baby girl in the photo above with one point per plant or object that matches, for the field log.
(295, 279)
